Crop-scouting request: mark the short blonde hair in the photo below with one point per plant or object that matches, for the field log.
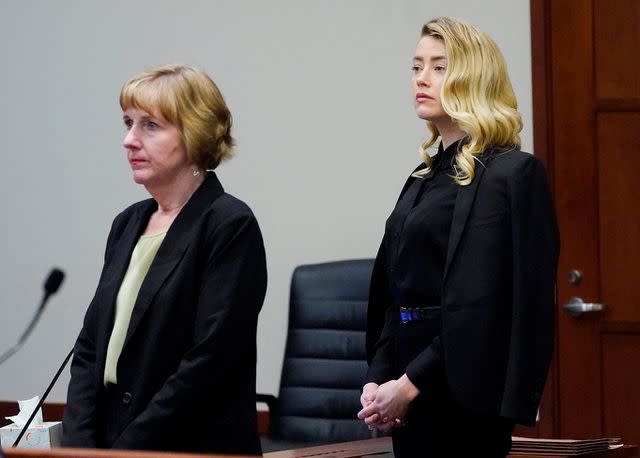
(476, 93)
(189, 99)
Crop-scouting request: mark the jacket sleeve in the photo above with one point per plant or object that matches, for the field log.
(535, 257)
(80, 419)
(381, 323)
(230, 297)
(382, 315)
(420, 370)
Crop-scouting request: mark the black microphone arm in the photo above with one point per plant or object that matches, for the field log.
(51, 286)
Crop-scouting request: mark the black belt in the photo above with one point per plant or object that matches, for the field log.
(408, 314)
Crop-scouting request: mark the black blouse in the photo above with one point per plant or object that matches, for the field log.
(417, 234)
(415, 251)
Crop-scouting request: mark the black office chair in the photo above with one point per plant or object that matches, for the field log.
(325, 362)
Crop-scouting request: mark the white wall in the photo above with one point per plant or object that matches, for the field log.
(323, 117)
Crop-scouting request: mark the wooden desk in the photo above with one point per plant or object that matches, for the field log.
(92, 453)
(379, 448)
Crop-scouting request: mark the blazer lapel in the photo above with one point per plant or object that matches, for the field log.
(121, 255)
(464, 202)
(173, 248)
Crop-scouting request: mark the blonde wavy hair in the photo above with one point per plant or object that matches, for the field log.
(189, 99)
(476, 93)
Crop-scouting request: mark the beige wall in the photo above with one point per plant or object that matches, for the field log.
(326, 135)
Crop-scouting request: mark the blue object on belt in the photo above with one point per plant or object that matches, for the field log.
(408, 314)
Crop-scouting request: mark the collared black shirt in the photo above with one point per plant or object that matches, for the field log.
(417, 234)
(417, 238)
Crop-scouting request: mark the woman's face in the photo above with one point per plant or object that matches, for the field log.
(429, 68)
(154, 147)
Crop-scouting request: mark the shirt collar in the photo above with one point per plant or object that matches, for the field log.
(445, 157)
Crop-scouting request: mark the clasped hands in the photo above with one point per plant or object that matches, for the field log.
(385, 406)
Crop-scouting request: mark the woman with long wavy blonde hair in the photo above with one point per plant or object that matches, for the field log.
(460, 318)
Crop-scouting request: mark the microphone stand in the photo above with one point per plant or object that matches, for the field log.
(44, 396)
(10, 352)
(51, 285)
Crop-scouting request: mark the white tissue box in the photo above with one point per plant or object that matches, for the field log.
(44, 435)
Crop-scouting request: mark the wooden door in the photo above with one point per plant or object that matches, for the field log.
(586, 60)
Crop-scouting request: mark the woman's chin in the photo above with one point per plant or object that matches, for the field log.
(139, 178)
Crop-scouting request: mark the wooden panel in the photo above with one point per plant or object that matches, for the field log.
(542, 148)
(619, 193)
(621, 377)
(541, 82)
(576, 199)
(619, 104)
(51, 411)
(617, 327)
(617, 47)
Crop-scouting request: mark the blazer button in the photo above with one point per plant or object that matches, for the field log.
(126, 398)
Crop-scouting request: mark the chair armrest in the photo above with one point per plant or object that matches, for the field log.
(272, 402)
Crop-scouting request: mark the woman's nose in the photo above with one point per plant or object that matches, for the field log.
(422, 79)
(131, 140)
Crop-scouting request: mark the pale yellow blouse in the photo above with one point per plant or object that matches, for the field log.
(141, 259)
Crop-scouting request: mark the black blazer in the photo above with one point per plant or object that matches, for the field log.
(186, 375)
(497, 297)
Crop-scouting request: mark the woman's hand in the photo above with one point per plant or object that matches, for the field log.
(387, 404)
(368, 393)
(366, 398)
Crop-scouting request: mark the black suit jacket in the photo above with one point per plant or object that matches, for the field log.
(186, 375)
(497, 297)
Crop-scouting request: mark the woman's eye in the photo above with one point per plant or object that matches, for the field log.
(440, 68)
(128, 123)
(416, 69)
(150, 125)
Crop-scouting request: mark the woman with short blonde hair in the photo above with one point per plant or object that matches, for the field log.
(188, 98)
(166, 358)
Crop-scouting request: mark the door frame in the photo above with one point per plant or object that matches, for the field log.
(542, 92)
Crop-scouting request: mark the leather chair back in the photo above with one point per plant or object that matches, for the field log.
(325, 361)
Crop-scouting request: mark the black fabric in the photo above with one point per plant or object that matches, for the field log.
(497, 293)
(414, 252)
(438, 427)
(325, 360)
(417, 235)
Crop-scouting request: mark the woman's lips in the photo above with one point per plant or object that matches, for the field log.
(135, 162)
(423, 97)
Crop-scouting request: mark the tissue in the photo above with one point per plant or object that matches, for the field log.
(40, 434)
(26, 409)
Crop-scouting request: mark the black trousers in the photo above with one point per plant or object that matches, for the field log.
(437, 426)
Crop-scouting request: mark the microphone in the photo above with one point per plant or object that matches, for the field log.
(51, 286)
(53, 282)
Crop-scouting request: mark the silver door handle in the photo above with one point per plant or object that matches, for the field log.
(577, 307)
